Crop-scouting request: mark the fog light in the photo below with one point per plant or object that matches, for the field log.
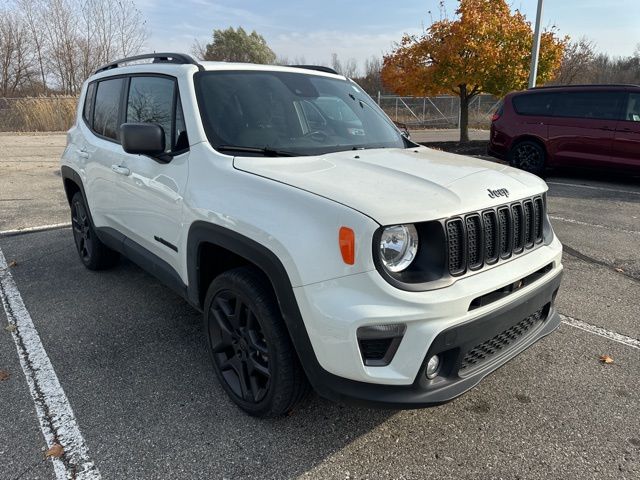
(433, 365)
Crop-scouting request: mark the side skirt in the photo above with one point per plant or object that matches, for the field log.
(146, 260)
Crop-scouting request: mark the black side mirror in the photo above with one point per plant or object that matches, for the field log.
(143, 139)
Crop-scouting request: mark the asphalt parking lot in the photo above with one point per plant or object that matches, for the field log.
(131, 361)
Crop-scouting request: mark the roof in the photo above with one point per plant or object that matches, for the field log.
(593, 85)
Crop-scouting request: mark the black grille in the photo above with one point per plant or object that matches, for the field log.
(506, 232)
(518, 227)
(474, 241)
(482, 238)
(538, 208)
(491, 236)
(456, 246)
(486, 350)
(375, 349)
(529, 227)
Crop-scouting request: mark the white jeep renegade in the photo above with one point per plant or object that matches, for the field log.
(323, 246)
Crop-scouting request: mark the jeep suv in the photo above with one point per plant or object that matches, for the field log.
(574, 126)
(323, 247)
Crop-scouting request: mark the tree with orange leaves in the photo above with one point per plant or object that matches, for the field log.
(486, 48)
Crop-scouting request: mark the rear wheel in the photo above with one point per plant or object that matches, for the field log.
(252, 354)
(529, 156)
(94, 254)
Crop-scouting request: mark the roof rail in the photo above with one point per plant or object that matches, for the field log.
(178, 58)
(318, 68)
(586, 85)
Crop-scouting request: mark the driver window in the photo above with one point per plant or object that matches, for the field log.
(633, 108)
(151, 100)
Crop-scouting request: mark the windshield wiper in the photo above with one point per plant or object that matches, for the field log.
(266, 151)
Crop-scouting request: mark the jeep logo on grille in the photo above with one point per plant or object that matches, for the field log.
(501, 192)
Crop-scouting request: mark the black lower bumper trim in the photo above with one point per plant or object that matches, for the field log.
(453, 344)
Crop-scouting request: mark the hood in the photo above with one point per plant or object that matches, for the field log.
(399, 185)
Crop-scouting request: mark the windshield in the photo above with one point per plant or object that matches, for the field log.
(290, 113)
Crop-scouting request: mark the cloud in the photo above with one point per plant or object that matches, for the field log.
(317, 46)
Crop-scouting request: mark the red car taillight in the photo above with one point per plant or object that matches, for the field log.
(495, 116)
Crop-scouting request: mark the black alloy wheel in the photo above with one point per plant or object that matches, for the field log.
(528, 156)
(239, 347)
(81, 230)
(250, 348)
(94, 254)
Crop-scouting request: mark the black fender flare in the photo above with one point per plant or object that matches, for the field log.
(68, 173)
(202, 232)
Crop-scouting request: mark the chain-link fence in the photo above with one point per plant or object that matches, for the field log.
(50, 114)
(440, 111)
(37, 114)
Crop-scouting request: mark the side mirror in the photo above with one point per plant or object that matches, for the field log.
(143, 139)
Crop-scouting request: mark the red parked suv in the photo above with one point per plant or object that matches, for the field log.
(592, 126)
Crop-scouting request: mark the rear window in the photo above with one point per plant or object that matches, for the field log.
(107, 108)
(602, 105)
(533, 104)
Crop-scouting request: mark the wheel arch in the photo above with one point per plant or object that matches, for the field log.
(205, 239)
(72, 183)
(208, 243)
(531, 138)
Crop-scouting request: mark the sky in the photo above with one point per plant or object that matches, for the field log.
(313, 30)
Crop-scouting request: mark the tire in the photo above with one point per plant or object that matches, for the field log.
(252, 354)
(529, 156)
(94, 254)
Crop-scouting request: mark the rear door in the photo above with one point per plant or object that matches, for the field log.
(533, 110)
(583, 125)
(626, 145)
(102, 119)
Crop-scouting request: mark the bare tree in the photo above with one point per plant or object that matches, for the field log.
(348, 69)
(577, 62)
(371, 82)
(31, 11)
(198, 50)
(16, 66)
(69, 39)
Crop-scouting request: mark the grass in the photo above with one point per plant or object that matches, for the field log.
(38, 114)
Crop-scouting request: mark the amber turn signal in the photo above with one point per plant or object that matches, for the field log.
(347, 241)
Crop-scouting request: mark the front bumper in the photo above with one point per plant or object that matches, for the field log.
(326, 317)
(453, 344)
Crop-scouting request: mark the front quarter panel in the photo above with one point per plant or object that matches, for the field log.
(299, 227)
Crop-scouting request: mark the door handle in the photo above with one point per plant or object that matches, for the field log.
(120, 170)
(607, 129)
(83, 153)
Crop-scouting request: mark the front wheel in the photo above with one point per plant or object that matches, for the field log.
(528, 156)
(252, 354)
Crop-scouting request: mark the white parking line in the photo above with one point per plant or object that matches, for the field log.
(593, 187)
(603, 332)
(40, 228)
(594, 225)
(54, 413)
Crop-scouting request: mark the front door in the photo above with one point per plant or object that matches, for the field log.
(626, 145)
(150, 211)
(583, 126)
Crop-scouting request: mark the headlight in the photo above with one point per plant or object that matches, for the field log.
(398, 246)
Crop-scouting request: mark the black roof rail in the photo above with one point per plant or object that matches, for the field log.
(178, 58)
(318, 68)
(586, 85)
